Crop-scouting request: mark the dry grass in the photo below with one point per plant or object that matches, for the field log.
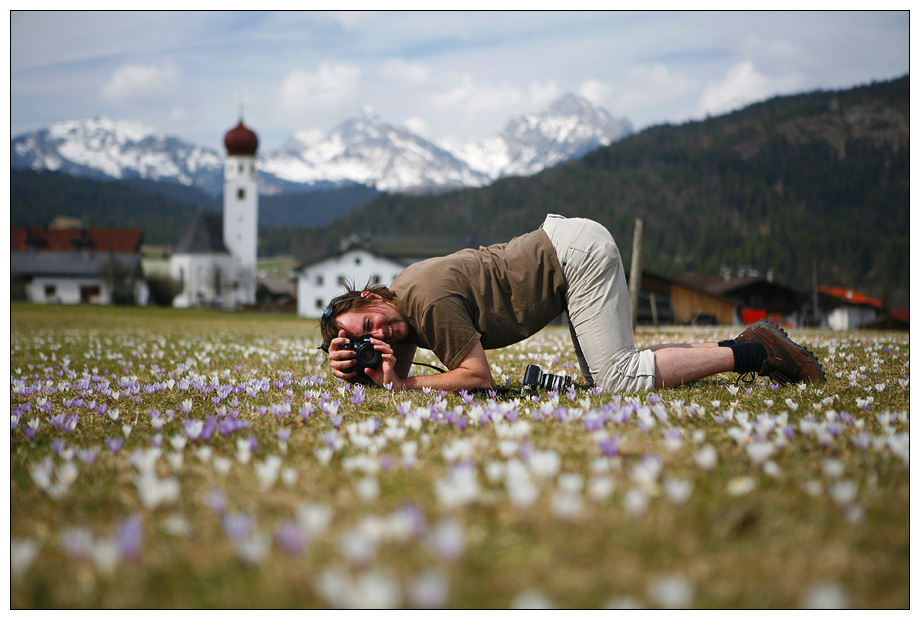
(427, 495)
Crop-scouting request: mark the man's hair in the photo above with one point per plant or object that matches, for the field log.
(350, 300)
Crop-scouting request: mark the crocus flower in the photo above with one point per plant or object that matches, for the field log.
(23, 552)
(114, 444)
(448, 540)
(675, 592)
(130, 537)
(87, 456)
(291, 537)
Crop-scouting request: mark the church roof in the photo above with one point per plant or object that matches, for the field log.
(241, 140)
(204, 236)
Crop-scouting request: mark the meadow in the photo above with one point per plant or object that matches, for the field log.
(199, 459)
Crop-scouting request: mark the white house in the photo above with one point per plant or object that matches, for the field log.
(78, 265)
(846, 309)
(319, 283)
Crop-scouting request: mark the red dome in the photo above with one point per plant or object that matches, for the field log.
(241, 141)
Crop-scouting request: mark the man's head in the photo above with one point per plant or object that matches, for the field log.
(369, 312)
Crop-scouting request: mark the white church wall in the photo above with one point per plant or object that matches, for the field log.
(241, 222)
(207, 279)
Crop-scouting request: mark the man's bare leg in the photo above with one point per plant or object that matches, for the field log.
(676, 364)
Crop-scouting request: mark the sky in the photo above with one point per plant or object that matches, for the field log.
(450, 76)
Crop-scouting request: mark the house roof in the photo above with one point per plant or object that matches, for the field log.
(850, 296)
(721, 285)
(204, 236)
(53, 263)
(119, 240)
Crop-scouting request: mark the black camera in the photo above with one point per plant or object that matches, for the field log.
(535, 378)
(366, 356)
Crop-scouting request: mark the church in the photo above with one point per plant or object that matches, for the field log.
(215, 261)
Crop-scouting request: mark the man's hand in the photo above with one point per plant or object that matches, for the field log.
(386, 373)
(342, 361)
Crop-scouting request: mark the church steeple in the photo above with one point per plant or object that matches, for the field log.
(241, 140)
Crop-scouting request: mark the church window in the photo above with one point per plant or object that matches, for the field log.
(319, 303)
(241, 193)
(319, 280)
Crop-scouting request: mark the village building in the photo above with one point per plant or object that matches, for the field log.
(74, 265)
(363, 261)
(846, 309)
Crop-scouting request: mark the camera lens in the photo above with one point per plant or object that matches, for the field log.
(367, 356)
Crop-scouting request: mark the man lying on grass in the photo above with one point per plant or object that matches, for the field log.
(460, 305)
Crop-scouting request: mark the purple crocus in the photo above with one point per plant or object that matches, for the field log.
(291, 537)
(610, 447)
(114, 444)
(87, 456)
(130, 537)
(238, 525)
(216, 500)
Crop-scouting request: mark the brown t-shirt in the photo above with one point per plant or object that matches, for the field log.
(499, 294)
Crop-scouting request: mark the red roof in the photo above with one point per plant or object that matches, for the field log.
(850, 296)
(121, 240)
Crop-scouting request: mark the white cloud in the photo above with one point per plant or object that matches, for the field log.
(178, 114)
(648, 86)
(595, 91)
(541, 95)
(327, 87)
(476, 109)
(142, 84)
(468, 98)
(742, 84)
(401, 70)
(416, 125)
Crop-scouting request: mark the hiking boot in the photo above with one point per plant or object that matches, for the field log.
(787, 362)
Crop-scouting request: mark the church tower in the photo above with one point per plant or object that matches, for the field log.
(241, 208)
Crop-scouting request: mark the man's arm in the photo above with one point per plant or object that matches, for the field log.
(472, 372)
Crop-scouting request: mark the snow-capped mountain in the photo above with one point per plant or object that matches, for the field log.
(364, 149)
(370, 151)
(106, 149)
(570, 128)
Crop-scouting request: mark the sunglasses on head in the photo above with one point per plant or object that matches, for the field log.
(327, 316)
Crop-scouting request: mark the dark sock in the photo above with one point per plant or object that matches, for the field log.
(749, 356)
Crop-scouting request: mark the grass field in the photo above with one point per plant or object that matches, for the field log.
(193, 459)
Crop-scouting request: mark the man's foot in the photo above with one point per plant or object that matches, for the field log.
(787, 362)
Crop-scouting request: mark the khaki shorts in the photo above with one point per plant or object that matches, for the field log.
(598, 306)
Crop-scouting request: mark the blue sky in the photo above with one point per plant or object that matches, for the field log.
(447, 75)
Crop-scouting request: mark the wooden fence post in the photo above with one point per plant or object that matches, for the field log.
(635, 270)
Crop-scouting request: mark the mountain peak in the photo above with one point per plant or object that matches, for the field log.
(571, 104)
(364, 149)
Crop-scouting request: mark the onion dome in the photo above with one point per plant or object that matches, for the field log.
(241, 141)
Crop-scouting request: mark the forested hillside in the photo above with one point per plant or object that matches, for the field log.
(818, 180)
(164, 210)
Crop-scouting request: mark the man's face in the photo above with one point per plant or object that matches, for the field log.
(379, 320)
